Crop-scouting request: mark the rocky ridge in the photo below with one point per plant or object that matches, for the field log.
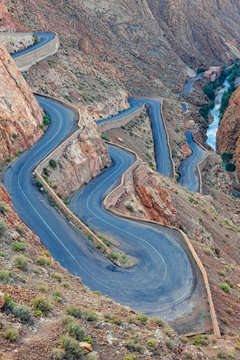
(20, 115)
(228, 135)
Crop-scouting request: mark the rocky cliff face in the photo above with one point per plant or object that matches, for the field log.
(144, 196)
(228, 135)
(20, 114)
(198, 30)
(78, 160)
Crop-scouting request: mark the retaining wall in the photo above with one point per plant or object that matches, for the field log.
(113, 124)
(25, 61)
(168, 141)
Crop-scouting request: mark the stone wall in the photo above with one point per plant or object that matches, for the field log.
(108, 125)
(24, 62)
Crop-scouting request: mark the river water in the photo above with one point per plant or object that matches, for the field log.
(213, 127)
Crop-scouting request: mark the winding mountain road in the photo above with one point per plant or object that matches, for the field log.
(190, 177)
(164, 279)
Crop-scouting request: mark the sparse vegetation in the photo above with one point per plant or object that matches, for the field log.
(11, 334)
(225, 288)
(52, 163)
(40, 303)
(21, 262)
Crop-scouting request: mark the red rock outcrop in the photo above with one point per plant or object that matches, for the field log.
(228, 135)
(79, 159)
(153, 196)
(145, 196)
(20, 114)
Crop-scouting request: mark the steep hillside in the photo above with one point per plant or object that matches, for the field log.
(141, 44)
(67, 319)
(199, 31)
(228, 135)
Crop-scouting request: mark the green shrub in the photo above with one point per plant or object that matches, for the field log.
(225, 320)
(5, 275)
(18, 246)
(72, 348)
(129, 207)
(39, 184)
(43, 289)
(198, 340)
(132, 320)
(105, 138)
(74, 311)
(21, 262)
(57, 277)
(66, 285)
(23, 313)
(230, 167)
(2, 254)
(3, 228)
(88, 339)
(143, 318)
(42, 304)
(130, 357)
(3, 208)
(159, 321)
(227, 157)
(133, 344)
(75, 330)
(223, 355)
(11, 334)
(208, 251)
(152, 345)
(46, 171)
(44, 261)
(57, 354)
(52, 163)
(90, 315)
(225, 288)
(46, 120)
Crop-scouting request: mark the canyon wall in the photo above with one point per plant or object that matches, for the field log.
(228, 135)
(20, 114)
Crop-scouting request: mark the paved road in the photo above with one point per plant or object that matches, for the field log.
(188, 87)
(163, 280)
(188, 168)
(44, 38)
(190, 179)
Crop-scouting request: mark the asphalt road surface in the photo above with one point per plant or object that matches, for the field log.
(188, 169)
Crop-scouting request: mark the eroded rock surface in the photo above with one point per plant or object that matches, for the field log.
(20, 114)
(228, 135)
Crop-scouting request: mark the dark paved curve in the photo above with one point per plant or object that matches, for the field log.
(189, 175)
(188, 168)
(44, 38)
(155, 285)
(188, 87)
